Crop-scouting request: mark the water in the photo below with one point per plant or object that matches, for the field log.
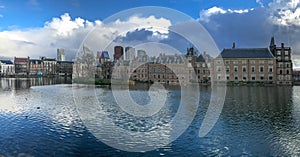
(40, 118)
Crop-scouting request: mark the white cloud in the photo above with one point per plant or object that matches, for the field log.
(285, 12)
(206, 14)
(68, 33)
(2, 6)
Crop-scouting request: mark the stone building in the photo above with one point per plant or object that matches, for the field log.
(21, 66)
(64, 68)
(284, 66)
(36, 67)
(6, 68)
(245, 64)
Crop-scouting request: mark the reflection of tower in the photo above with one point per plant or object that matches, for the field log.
(61, 54)
(129, 53)
(118, 53)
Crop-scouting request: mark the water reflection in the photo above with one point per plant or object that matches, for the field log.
(43, 121)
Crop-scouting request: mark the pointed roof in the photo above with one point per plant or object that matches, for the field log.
(246, 53)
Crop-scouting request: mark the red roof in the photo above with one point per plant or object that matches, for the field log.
(21, 59)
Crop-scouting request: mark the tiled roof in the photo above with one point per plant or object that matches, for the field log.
(6, 61)
(246, 53)
(170, 59)
(21, 59)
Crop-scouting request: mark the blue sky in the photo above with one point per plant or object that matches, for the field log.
(37, 28)
(34, 13)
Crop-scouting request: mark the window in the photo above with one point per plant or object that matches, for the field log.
(203, 65)
(261, 69)
(253, 69)
(253, 78)
(244, 61)
(244, 78)
(252, 62)
(226, 62)
(286, 52)
(280, 65)
(236, 77)
(198, 71)
(208, 64)
(270, 62)
(219, 69)
(287, 58)
(235, 62)
(235, 69)
(244, 69)
(218, 62)
(261, 77)
(203, 71)
(270, 77)
(261, 62)
(287, 65)
(280, 72)
(227, 68)
(287, 72)
(270, 69)
(278, 52)
(227, 77)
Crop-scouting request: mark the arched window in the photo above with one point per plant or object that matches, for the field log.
(280, 72)
(287, 72)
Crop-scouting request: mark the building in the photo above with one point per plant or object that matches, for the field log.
(141, 53)
(129, 53)
(36, 67)
(7, 68)
(21, 66)
(49, 66)
(105, 66)
(61, 55)
(245, 64)
(64, 68)
(118, 53)
(284, 64)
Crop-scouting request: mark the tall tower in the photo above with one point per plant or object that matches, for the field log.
(129, 53)
(61, 54)
(118, 55)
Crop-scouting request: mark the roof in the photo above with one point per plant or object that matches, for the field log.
(204, 58)
(49, 59)
(169, 59)
(67, 62)
(21, 59)
(6, 61)
(246, 53)
(105, 55)
(33, 61)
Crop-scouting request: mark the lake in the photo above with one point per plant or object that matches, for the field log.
(52, 117)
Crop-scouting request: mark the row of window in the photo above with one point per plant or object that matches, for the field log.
(245, 62)
(244, 69)
(252, 78)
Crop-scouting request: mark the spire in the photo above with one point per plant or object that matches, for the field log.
(272, 43)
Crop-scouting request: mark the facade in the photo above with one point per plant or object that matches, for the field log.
(61, 55)
(245, 64)
(129, 53)
(7, 68)
(36, 67)
(64, 68)
(118, 54)
(21, 66)
(49, 66)
(284, 64)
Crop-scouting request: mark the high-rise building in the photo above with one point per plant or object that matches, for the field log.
(141, 53)
(129, 53)
(118, 55)
(61, 54)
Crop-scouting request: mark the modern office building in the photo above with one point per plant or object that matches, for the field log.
(61, 55)
(118, 53)
(129, 53)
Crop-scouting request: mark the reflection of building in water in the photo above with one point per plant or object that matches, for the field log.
(7, 68)
(65, 68)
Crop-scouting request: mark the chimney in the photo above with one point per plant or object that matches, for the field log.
(282, 45)
(233, 45)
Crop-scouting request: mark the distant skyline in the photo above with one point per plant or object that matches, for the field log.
(37, 28)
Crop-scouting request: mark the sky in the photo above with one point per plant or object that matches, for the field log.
(37, 28)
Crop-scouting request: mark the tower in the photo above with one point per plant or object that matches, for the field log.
(61, 54)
